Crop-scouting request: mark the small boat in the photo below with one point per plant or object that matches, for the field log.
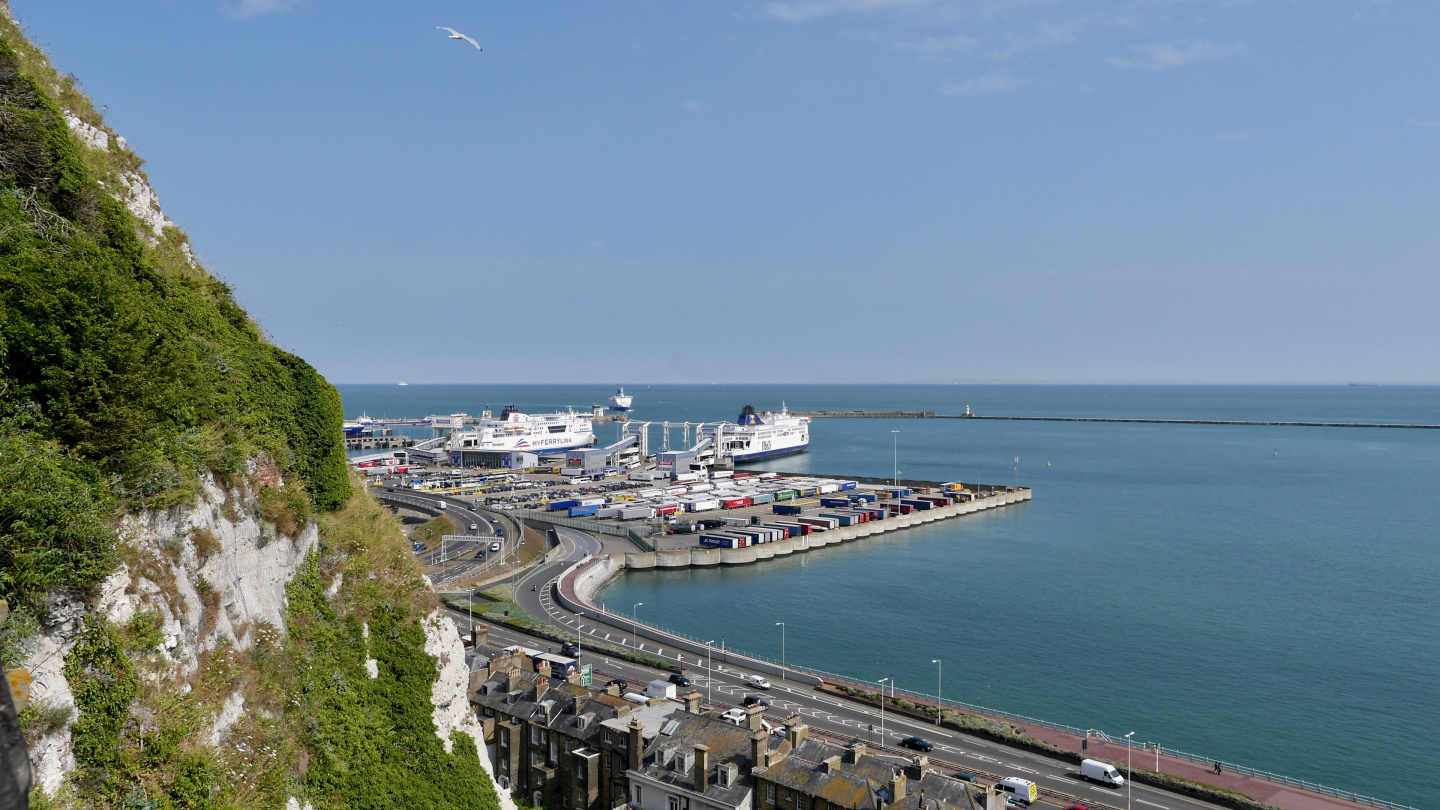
(404, 383)
(621, 401)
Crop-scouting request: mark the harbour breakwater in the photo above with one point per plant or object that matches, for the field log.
(705, 557)
(1120, 419)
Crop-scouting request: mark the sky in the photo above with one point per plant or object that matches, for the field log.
(868, 191)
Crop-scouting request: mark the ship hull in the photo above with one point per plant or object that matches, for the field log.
(741, 458)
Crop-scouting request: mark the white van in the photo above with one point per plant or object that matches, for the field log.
(758, 682)
(1021, 790)
(1101, 772)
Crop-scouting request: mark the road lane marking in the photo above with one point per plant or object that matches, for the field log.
(1153, 804)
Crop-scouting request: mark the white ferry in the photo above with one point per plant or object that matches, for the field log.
(532, 433)
(762, 435)
(621, 401)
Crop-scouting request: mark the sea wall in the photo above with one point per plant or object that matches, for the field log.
(708, 557)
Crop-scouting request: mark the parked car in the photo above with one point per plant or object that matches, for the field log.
(679, 680)
(758, 682)
(755, 700)
(918, 744)
(1077, 807)
(736, 716)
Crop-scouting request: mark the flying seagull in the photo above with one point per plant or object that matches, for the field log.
(457, 35)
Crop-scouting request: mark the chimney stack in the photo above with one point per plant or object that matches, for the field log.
(692, 702)
(512, 680)
(857, 750)
(702, 769)
(922, 764)
(541, 687)
(796, 730)
(759, 748)
(897, 786)
(637, 743)
(479, 634)
(754, 717)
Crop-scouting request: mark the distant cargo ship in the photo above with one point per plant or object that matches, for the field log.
(1364, 385)
(534, 433)
(755, 436)
(621, 401)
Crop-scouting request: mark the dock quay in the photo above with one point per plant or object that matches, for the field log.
(742, 520)
(378, 442)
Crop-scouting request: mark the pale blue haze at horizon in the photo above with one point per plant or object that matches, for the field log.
(1119, 192)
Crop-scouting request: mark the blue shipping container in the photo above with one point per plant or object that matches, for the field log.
(921, 505)
(839, 502)
(787, 509)
(556, 506)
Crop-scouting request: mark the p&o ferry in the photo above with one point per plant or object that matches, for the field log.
(756, 436)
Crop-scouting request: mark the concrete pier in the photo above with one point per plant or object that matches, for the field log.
(709, 557)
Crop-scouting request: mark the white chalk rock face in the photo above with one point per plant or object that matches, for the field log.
(228, 595)
(450, 694)
(93, 136)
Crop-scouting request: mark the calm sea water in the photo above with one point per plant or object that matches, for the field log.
(1269, 596)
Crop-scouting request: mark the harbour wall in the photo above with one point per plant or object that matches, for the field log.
(710, 557)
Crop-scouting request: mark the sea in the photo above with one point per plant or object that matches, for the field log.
(1268, 596)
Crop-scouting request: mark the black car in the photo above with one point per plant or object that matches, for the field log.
(620, 682)
(679, 680)
(756, 700)
(570, 649)
(918, 743)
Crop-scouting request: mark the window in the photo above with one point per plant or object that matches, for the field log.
(674, 803)
(770, 792)
(552, 752)
(802, 802)
(638, 801)
(534, 735)
(505, 738)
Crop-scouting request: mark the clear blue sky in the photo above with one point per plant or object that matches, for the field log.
(797, 190)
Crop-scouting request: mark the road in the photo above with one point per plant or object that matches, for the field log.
(725, 685)
(462, 559)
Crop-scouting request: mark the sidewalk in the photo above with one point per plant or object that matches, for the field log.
(1260, 789)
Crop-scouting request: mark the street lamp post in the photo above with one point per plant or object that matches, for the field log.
(781, 625)
(895, 451)
(709, 669)
(882, 705)
(939, 689)
(635, 623)
(1129, 772)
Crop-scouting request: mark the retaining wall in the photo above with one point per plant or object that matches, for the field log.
(697, 557)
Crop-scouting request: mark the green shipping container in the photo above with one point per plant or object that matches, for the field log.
(785, 495)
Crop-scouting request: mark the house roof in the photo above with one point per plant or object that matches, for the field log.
(856, 785)
(727, 743)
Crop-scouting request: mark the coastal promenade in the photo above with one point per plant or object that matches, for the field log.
(564, 596)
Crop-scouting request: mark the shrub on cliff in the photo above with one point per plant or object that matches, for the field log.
(131, 373)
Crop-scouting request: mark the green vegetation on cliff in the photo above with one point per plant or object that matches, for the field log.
(124, 370)
(128, 373)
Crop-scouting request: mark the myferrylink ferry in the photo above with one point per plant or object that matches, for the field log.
(533, 433)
